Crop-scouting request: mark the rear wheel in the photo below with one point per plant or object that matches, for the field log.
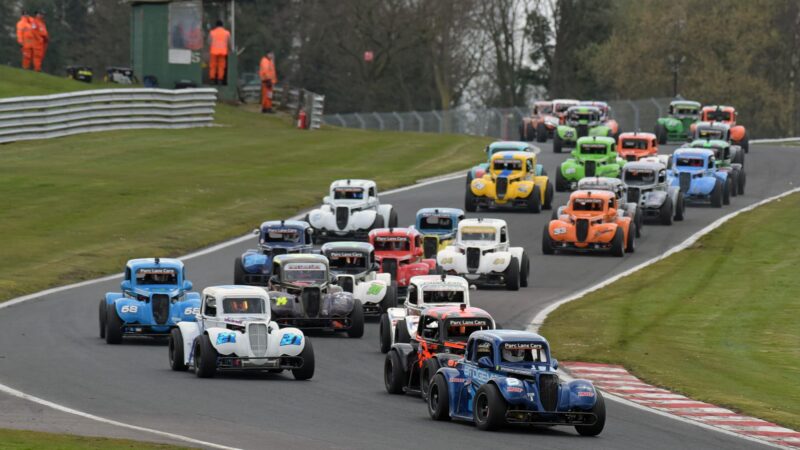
(356, 329)
(511, 275)
(524, 270)
(726, 192)
(548, 195)
(534, 201)
(393, 374)
(665, 212)
(390, 299)
(557, 142)
(561, 183)
(385, 334)
(599, 411)
(716, 194)
(680, 208)
(392, 218)
(401, 332)
(113, 326)
(306, 371)
(102, 319)
(739, 157)
(489, 408)
(429, 369)
(177, 359)
(618, 243)
(547, 242)
(238, 271)
(470, 202)
(541, 132)
(742, 182)
(205, 357)
(438, 399)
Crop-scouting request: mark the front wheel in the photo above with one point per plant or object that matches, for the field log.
(429, 369)
(470, 202)
(402, 335)
(726, 192)
(356, 329)
(489, 408)
(511, 275)
(390, 299)
(618, 243)
(557, 142)
(665, 212)
(438, 399)
(385, 334)
(548, 195)
(742, 182)
(177, 361)
(102, 319)
(238, 271)
(535, 200)
(680, 208)
(547, 242)
(541, 132)
(562, 184)
(630, 245)
(599, 411)
(716, 194)
(524, 270)
(393, 376)
(392, 218)
(661, 134)
(205, 357)
(306, 371)
(113, 326)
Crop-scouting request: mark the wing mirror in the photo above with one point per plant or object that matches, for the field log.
(125, 285)
(256, 231)
(187, 285)
(485, 363)
(555, 364)
(326, 199)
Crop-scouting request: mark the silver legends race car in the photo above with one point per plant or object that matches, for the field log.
(353, 268)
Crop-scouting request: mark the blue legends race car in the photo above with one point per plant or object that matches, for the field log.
(508, 377)
(695, 172)
(275, 237)
(438, 227)
(155, 297)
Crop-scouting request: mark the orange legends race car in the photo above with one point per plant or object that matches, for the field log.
(591, 221)
(728, 116)
(635, 146)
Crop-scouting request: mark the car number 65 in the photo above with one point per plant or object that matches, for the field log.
(191, 311)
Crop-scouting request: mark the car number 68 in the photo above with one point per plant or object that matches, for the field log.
(130, 309)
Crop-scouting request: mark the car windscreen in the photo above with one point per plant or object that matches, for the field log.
(587, 204)
(436, 222)
(348, 193)
(281, 235)
(156, 275)
(544, 109)
(561, 107)
(391, 243)
(690, 162)
(460, 329)
(523, 352)
(636, 177)
(720, 116)
(243, 305)
(442, 296)
(710, 133)
(308, 272)
(347, 260)
(478, 234)
(634, 144)
(507, 164)
(686, 111)
(593, 149)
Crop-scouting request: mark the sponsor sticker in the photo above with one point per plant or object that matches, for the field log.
(514, 389)
(346, 254)
(513, 382)
(374, 289)
(280, 301)
(226, 337)
(391, 238)
(522, 346)
(499, 261)
(585, 394)
(304, 266)
(457, 380)
(467, 322)
(291, 339)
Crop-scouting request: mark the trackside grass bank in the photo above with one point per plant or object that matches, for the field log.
(717, 322)
(18, 83)
(34, 440)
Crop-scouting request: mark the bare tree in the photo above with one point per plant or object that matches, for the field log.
(504, 22)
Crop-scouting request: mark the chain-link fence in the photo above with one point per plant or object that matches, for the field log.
(501, 123)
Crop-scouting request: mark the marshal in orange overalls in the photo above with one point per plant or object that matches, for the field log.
(26, 36)
(266, 71)
(219, 38)
(41, 41)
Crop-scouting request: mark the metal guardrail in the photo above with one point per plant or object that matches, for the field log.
(50, 116)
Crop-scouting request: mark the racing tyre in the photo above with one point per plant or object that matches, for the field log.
(102, 319)
(512, 275)
(547, 242)
(548, 194)
(438, 399)
(630, 245)
(470, 202)
(524, 270)
(205, 357)
(390, 300)
(238, 271)
(392, 218)
(356, 329)
(176, 356)
(541, 133)
(716, 194)
(739, 158)
(661, 134)
(599, 410)
(113, 326)
(665, 212)
(469, 178)
(734, 176)
(745, 143)
(562, 184)
(742, 182)
(534, 200)
(618, 243)
(429, 369)
(638, 220)
(385, 333)
(680, 208)
(726, 192)
(393, 374)
(378, 221)
(557, 143)
(401, 334)
(306, 371)
(489, 408)
(554, 215)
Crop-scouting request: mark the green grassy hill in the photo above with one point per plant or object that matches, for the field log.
(17, 83)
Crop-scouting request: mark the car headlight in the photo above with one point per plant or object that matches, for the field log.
(479, 185)
(570, 170)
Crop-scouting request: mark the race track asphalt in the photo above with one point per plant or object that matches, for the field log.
(49, 348)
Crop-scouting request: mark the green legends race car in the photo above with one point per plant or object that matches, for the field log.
(594, 156)
(677, 125)
(581, 121)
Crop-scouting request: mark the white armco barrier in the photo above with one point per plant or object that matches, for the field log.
(49, 116)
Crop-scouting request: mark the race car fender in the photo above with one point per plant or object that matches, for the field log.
(497, 261)
(447, 258)
(403, 351)
(516, 394)
(386, 212)
(371, 291)
(111, 297)
(653, 199)
(189, 332)
(287, 341)
(582, 394)
(722, 175)
(517, 253)
(131, 310)
(455, 383)
(671, 124)
(319, 217)
(567, 133)
(229, 342)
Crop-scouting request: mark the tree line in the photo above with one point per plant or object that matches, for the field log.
(441, 54)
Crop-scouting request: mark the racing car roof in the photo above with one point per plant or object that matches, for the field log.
(709, 143)
(586, 193)
(399, 231)
(364, 247)
(512, 145)
(643, 165)
(693, 152)
(595, 140)
(512, 155)
(456, 212)
(714, 124)
(636, 134)
(170, 263)
(501, 336)
(433, 281)
(496, 223)
(352, 182)
(566, 100)
(589, 183)
(300, 257)
(235, 291)
(720, 107)
(298, 224)
(455, 311)
(690, 103)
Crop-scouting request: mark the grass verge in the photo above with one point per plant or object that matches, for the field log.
(35, 440)
(79, 207)
(17, 83)
(717, 322)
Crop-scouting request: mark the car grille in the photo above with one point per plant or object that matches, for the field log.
(257, 333)
(346, 283)
(685, 181)
(389, 265)
(633, 195)
(631, 157)
(582, 229)
(160, 308)
(501, 187)
(342, 216)
(583, 130)
(590, 168)
(473, 258)
(279, 251)
(311, 301)
(430, 244)
(548, 391)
